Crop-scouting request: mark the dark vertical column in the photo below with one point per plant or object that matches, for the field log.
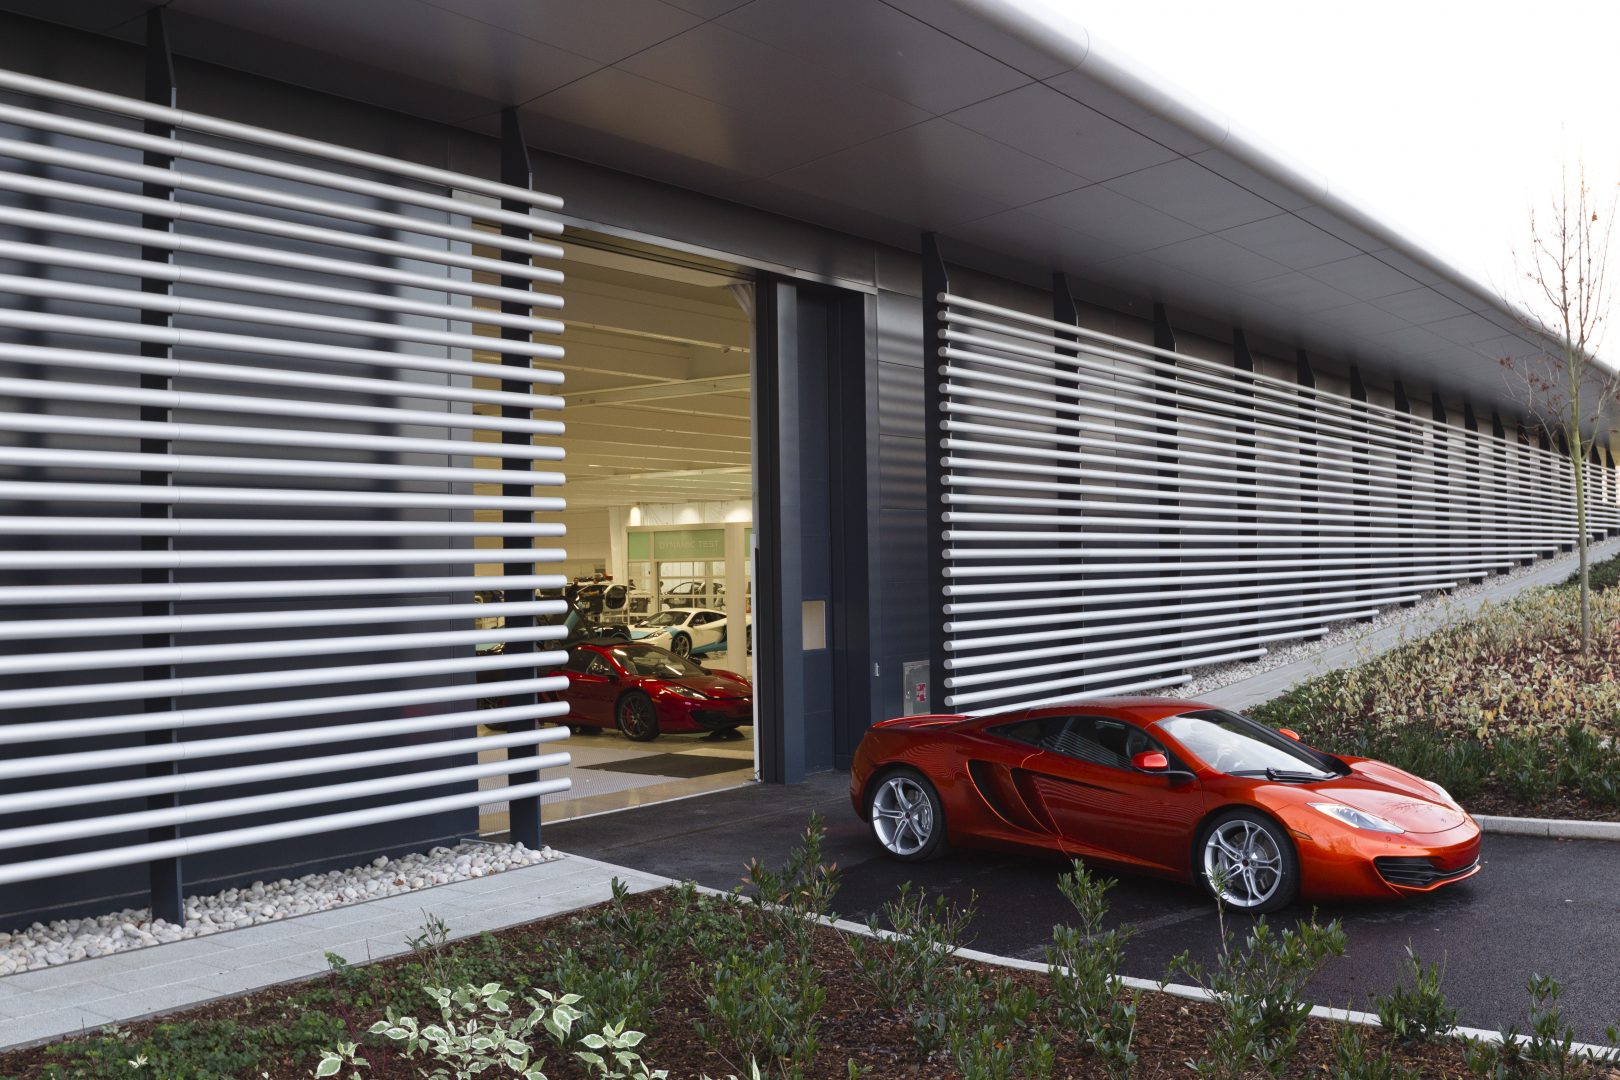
(1478, 479)
(166, 882)
(935, 282)
(1361, 480)
(1405, 537)
(1551, 488)
(1243, 360)
(1566, 498)
(1170, 515)
(523, 815)
(1065, 310)
(1309, 488)
(1446, 500)
(778, 569)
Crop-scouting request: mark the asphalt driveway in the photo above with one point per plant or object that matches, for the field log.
(1539, 906)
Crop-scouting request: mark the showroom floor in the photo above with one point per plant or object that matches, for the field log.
(609, 772)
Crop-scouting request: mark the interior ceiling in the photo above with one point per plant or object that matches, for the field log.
(657, 379)
(885, 118)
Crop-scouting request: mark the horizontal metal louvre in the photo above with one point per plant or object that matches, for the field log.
(1116, 515)
(269, 411)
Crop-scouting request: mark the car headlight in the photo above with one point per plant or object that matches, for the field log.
(687, 692)
(1356, 819)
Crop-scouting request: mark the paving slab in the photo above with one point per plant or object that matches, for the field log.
(48, 1003)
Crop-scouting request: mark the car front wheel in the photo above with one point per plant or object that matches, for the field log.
(637, 717)
(1247, 862)
(680, 645)
(907, 816)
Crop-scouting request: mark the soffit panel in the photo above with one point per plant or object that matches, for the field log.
(770, 86)
(1107, 214)
(603, 30)
(878, 47)
(1363, 277)
(1191, 193)
(1289, 240)
(1055, 128)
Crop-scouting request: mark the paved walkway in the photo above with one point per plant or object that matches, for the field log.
(55, 1001)
(1265, 685)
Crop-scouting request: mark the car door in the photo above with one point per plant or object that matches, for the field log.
(593, 687)
(708, 629)
(1105, 808)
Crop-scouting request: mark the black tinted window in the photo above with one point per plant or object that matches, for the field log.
(580, 659)
(1096, 739)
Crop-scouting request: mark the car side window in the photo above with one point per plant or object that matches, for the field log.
(704, 618)
(1099, 740)
(580, 660)
(599, 666)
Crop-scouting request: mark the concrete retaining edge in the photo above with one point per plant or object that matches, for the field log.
(1553, 828)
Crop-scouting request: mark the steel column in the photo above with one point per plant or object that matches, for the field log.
(166, 881)
(523, 814)
(935, 284)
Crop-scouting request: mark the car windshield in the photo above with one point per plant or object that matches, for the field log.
(668, 618)
(1238, 746)
(655, 663)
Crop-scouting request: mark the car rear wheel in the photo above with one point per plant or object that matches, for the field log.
(907, 816)
(1248, 862)
(637, 717)
(680, 645)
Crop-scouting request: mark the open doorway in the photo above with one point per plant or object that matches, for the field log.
(659, 523)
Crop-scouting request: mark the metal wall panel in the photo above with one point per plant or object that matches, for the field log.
(1117, 514)
(252, 400)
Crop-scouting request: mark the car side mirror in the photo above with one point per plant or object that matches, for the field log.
(1150, 761)
(1288, 733)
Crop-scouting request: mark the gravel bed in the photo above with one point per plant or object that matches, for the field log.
(1290, 652)
(65, 940)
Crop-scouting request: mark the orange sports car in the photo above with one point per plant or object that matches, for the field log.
(1167, 787)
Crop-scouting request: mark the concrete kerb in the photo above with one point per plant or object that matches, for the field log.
(1553, 828)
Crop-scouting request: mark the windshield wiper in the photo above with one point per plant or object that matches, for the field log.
(1285, 776)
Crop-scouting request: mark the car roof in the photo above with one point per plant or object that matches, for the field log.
(1140, 711)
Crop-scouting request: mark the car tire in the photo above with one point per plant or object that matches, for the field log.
(637, 717)
(1255, 855)
(680, 645)
(907, 816)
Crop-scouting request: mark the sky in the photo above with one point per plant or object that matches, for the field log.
(1448, 120)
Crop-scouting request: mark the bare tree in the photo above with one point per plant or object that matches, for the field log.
(1564, 280)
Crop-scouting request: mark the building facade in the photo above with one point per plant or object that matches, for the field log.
(344, 347)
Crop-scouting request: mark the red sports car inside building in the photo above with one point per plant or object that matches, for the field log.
(646, 691)
(1166, 787)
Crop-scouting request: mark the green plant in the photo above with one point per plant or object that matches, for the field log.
(190, 1050)
(1421, 1013)
(895, 964)
(798, 893)
(1355, 1058)
(765, 1004)
(1259, 989)
(1546, 1052)
(428, 946)
(1083, 963)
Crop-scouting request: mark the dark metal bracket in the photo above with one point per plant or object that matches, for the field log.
(935, 283)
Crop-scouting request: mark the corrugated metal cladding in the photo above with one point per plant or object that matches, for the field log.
(1116, 514)
(258, 437)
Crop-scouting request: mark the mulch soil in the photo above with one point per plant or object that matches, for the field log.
(1171, 1030)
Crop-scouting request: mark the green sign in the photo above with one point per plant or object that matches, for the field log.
(689, 545)
(640, 546)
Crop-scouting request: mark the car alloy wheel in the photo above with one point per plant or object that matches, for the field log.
(680, 645)
(907, 817)
(1249, 864)
(637, 717)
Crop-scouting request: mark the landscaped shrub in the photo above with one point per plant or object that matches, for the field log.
(1084, 962)
(1545, 1052)
(1419, 1013)
(764, 1005)
(896, 964)
(1260, 989)
(1355, 1058)
(1600, 576)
